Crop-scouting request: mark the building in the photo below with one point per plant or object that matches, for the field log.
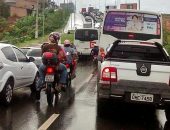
(9, 2)
(110, 7)
(22, 8)
(128, 6)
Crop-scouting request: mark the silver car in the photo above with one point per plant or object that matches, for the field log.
(36, 53)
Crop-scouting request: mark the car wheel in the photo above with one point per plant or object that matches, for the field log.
(33, 85)
(7, 92)
(100, 108)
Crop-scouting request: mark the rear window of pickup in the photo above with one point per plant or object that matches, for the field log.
(137, 52)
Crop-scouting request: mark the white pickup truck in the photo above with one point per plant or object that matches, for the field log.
(135, 72)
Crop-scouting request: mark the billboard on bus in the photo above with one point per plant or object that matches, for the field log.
(132, 22)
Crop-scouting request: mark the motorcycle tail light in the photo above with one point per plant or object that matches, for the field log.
(50, 70)
(67, 66)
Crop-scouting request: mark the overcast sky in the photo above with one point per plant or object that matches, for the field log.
(151, 5)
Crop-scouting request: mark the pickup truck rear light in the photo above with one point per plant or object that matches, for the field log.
(109, 74)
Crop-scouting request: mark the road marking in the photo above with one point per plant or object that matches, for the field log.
(49, 122)
(85, 81)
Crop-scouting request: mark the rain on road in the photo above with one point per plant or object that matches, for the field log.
(77, 110)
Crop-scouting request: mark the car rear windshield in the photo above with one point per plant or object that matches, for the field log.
(137, 52)
(34, 52)
(86, 35)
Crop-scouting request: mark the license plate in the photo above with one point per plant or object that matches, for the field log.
(142, 97)
(68, 69)
(49, 78)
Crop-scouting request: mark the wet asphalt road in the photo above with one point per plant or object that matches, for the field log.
(77, 110)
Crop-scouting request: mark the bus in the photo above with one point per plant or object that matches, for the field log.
(85, 39)
(125, 24)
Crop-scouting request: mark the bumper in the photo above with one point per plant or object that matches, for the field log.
(159, 93)
(84, 52)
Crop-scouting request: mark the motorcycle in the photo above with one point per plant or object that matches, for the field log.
(94, 59)
(52, 77)
(69, 75)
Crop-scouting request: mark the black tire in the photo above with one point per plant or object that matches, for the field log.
(95, 62)
(69, 80)
(7, 92)
(56, 97)
(38, 95)
(50, 95)
(33, 86)
(167, 113)
(100, 108)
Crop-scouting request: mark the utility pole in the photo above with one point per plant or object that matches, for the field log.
(36, 24)
(139, 4)
(75, 14)
(64, 9)
(43, 16)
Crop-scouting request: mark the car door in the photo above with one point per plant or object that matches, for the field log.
(27, 68)
(12, 65)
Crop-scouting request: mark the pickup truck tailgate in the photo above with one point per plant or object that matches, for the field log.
(141, 71)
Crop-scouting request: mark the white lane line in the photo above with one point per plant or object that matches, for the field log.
(81, 85)
(49, 122)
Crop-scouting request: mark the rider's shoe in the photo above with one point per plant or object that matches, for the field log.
(58, 87)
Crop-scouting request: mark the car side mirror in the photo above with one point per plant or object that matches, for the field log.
(31, 59)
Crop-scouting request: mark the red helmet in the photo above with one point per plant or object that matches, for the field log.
(55, 35)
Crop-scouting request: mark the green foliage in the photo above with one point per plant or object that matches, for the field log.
(24, 29)
(3, 26)
(67, 36)
(167, 45)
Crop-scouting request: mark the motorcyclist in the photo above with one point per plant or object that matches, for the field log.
(71, 56)
(95, 50)
(53, 46)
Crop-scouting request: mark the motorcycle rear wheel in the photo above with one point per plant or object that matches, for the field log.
(69, 80)
(50, 94)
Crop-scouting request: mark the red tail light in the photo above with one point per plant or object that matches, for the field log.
(67, 66)
(102, 55)
(131, 36)
(109, 74)
(147, 43)
(50, 70)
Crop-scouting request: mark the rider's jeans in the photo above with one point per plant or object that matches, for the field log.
(63, 75)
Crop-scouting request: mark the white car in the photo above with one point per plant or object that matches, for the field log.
(35, 52)
(16, 70)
